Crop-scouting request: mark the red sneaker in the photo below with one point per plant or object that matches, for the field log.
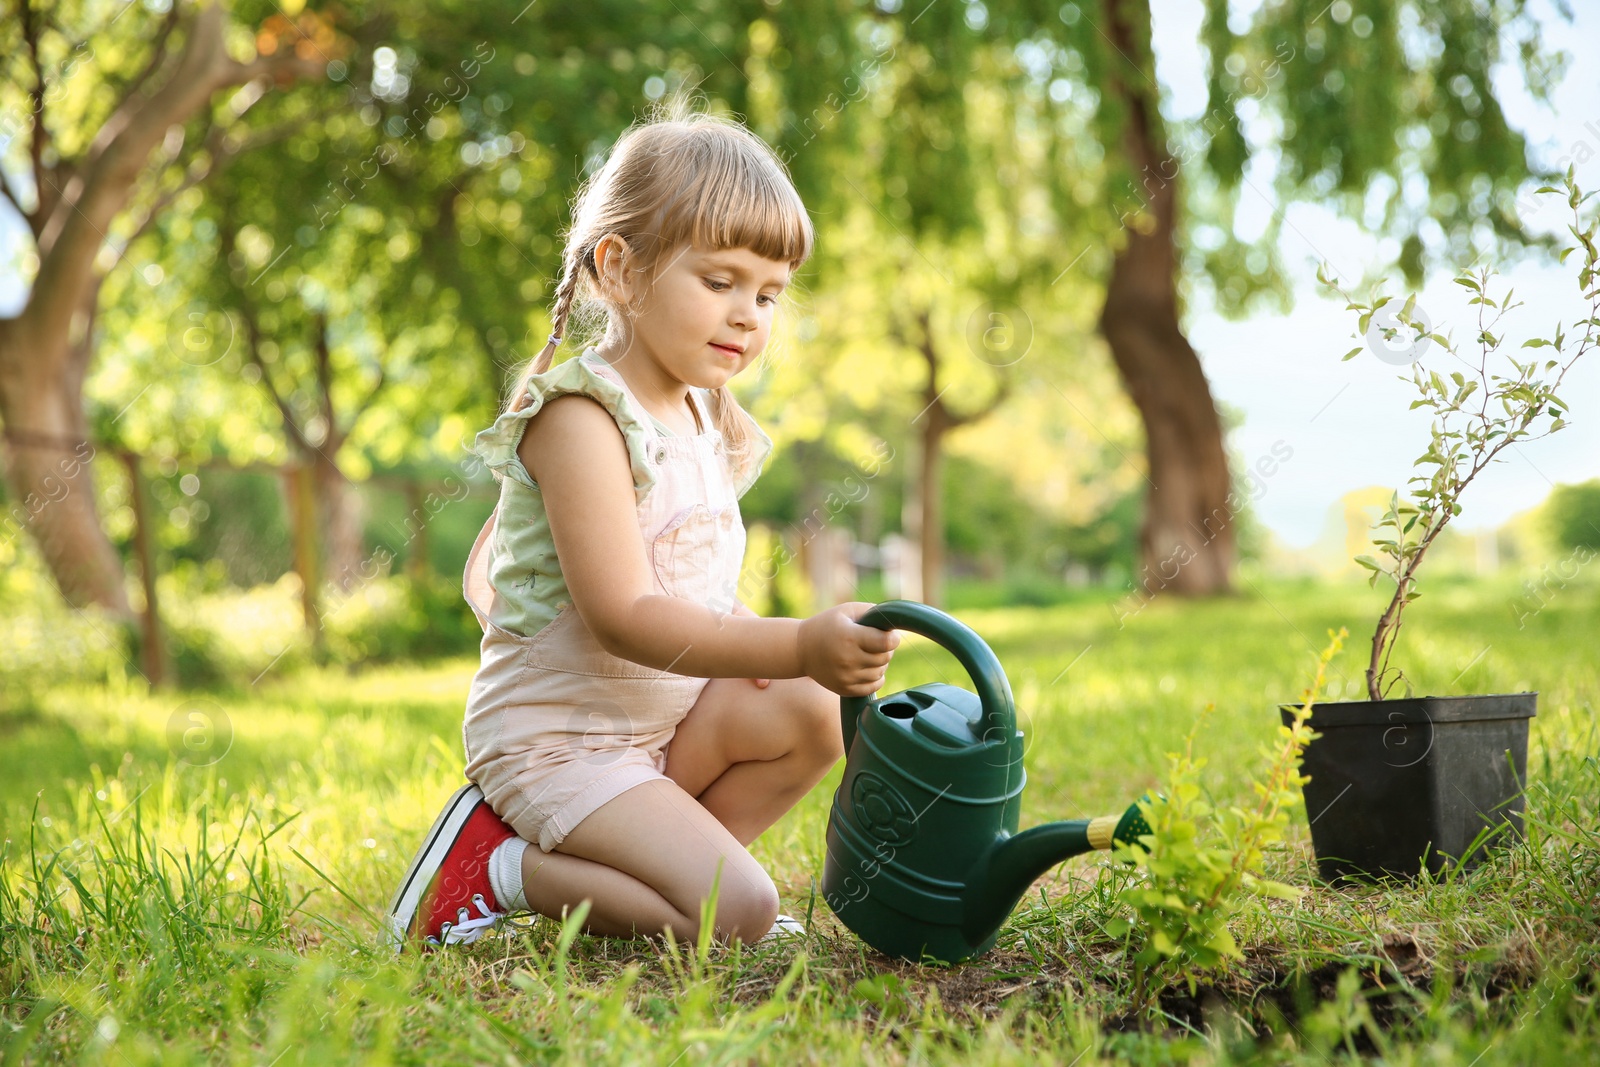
(445, 897)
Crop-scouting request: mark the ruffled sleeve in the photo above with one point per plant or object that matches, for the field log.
(497, 446)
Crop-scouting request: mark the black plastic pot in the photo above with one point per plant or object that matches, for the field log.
(1398, 785)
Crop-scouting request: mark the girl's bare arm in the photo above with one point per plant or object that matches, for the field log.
(576, 454)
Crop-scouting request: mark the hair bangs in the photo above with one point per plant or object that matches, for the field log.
(737, 196)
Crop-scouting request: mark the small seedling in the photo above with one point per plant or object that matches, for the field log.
(1493, 402)
(1202, 864)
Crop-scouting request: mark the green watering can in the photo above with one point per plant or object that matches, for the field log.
(924, 858)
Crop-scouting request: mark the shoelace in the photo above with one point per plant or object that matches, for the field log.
(784, 927)
(467, 930)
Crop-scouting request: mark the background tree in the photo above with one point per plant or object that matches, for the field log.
(1384, 112)
(872, 116)
(1019, 156)
(112, 121)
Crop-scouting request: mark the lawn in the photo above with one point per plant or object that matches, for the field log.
(223, 907)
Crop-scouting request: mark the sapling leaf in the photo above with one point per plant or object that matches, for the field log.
(1276, 890)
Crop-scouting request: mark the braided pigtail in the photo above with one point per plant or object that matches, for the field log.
(565, 292)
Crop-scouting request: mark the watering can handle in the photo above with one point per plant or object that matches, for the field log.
(994, 691)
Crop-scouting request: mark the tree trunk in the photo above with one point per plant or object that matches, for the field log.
(339, 507)
(299, 487)
(1187, 544)
(938, 418)
(45, 349)
(931, 498)
(152, 646)
(48, 472)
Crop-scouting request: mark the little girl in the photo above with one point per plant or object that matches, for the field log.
(630, 717)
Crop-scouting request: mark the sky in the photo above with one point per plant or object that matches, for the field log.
(1345, 425)
(1348, 424)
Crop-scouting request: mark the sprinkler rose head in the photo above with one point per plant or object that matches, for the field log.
(1109, 831)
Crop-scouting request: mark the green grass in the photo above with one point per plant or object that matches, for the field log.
(153, 909)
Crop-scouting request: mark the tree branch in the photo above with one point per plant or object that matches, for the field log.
(78, 225)
(1002, 393)
(41, 134)
(324, 367)
(227, 242)
(372, 394)
(158, 58)
(199, 167)
(221, 147)
(291, 425)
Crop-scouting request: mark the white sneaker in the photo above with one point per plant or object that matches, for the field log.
(783, 928)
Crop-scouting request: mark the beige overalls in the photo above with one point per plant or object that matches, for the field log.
(555, 725)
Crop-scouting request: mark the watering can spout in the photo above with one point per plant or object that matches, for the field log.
(1000, 877)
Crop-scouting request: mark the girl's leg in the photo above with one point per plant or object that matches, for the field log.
(740, 758)
(749, 754)
(646, 861)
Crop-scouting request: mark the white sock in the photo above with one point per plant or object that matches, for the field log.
(505, 875)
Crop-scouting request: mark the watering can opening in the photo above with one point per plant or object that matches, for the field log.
(946, 715)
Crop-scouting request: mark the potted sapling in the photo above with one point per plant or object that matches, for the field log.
(1399, 782)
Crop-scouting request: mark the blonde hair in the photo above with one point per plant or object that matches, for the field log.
(680, 176)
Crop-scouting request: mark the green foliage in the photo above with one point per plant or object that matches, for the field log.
(1517, 401)
(401, 619)
(1203, 864)
(990, 522)
(244, 525)
(1574, 514)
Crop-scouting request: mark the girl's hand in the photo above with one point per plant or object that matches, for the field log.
(844, 656)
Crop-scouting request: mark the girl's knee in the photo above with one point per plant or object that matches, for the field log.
(817, 714)
(748, 910)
